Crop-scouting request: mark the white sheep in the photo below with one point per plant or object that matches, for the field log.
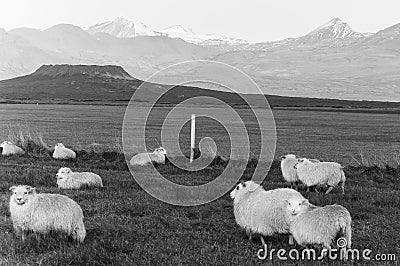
(261, 212)
(9, 148)
(67, 179)
(322, 173)
(43, 213)
(289, 173)
(63, 153)
(157, 156)
(318, 225)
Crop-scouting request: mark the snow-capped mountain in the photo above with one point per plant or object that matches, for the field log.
(177, 31)
(335, 32)
(335, 29)
(331, 34)
(123, 28)
(189, 35)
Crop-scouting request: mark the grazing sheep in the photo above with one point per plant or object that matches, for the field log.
(67, 179)
(289, 173)
(157, 156)
(322, 173)
(318, 225)
(43, 213)
(9, 148)
(261, 212)
(63, 153)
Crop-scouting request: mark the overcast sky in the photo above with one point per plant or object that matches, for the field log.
(253, 20)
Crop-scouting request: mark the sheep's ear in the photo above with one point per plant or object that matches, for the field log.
(12, 188)
(304, 202)
(31, 189)
(286, 200)
(283, 157)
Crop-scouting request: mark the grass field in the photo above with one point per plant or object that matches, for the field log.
(126, 226)
(348, 138)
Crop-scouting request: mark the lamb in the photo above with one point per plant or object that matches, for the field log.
(318, 225)
(43, 213)
(67, 179)
(9, 148)
(261, 212)
(322, 173)
(63, 153)
(157, 156)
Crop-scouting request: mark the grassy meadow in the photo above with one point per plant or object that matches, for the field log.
(346, 137)
(126, 226)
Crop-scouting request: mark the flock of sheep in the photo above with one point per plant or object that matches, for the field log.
(42, 213)
(278, 211)
(286, 211)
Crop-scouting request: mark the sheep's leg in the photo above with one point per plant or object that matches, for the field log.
(329, 190)
(291, 241)
(23, 236)
(20, 233)
(250, 236)
(38, 238)
(327, 247)
(342, 188)
(308, 189)
(316, 189)
(262, 240)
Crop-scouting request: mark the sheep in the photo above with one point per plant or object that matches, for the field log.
(157, 156)
(261, 212)
(287, 167)
(43, 213)
(9, 148)
(289, 173)
(318, 225)
(67, 179)
(63, 153)
(322, 173)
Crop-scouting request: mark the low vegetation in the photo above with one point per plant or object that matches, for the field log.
(126, 226)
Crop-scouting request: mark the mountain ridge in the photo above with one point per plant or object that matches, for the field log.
(340, 63)
(72, 84)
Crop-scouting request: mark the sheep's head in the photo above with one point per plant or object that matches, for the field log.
(22, 194)
(6, 143)
(160, 150)
(299, 161)
(63, 172)
(243, 187)
(59, 145)
(295, 206)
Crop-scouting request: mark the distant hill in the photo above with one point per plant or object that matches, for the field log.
(332, 61)
(113, 85)
(93, 71)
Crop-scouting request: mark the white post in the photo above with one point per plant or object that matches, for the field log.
(192, 137)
